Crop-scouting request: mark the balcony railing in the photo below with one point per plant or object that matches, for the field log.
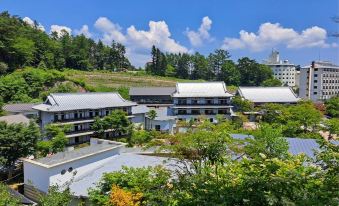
(82, 118)
(206, 103)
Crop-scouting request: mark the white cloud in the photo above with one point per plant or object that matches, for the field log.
(60, 29)
(30, 22)
(111, 31)
(270, 35)
(139, 42)
(84, 30)
(196, 38)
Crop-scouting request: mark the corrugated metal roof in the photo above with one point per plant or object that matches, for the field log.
(15, 119)
(268, 94)
(201, 89)
(151, 91)
(19, 107)
(296, 145)
(76, 101)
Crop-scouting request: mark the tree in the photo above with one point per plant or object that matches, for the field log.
(332, 107)
(56, 139)
(117, 122)
(305, 115)
(148, 185)
(170, 71)
(230, 74)
(333, 127)
(56, 197)
(152, 114)
(1, 106)
(183, 66)
(242, 105)
(216, 61)
(275, 113)
(120, 197)
(25, 45)
(269, 142)
(140, 137)
(6, 199)
(200, 67)
(271, 83)
(252, 73)
(3, 68)
(17, 140)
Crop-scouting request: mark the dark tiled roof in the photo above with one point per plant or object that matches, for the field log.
(151, 91)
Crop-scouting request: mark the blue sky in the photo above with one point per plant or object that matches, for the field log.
(298, 29)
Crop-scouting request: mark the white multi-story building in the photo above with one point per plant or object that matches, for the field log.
(191, 100)
(319, 81)
(79, 111)
(282, 70)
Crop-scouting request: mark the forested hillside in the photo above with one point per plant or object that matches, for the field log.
(34, 63)
(217, 66)
(23, 45)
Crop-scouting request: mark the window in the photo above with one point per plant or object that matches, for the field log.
(157, 127)
(194, 101)
(315, 92)
(181, 111)
(209, 101)
(211, 119)
(195, 111)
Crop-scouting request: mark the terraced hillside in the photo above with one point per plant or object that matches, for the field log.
(108, 81)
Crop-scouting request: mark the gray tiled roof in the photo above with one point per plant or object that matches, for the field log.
(268, 94)
(76, 101)
(139, 109)
(201, 89)
(19, 107)
(151, 91)
(15, 119)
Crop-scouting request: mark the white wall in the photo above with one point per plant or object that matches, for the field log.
(42, 177)
(139, 119)
(37, 176)
(46, 118)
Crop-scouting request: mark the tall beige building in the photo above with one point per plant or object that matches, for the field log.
(319, 81)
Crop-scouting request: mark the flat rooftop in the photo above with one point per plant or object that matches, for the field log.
(68, 156)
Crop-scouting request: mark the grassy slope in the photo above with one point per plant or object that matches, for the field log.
(110, 81)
